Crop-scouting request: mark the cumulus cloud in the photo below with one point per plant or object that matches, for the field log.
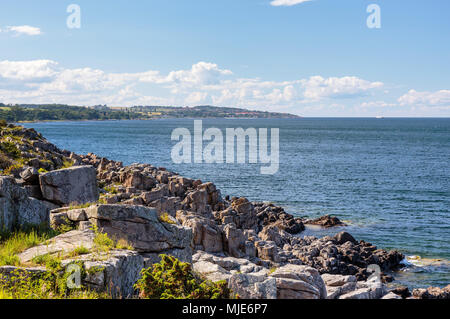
(46, 81)
(287, 3)
(28, 70)
(414, 98)
(317, 87)
(22, 30)
(202, 73)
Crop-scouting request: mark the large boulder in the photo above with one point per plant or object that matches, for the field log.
(207, 236)
(432, 293)
(77, 184)
(338, 285)
(370, 289)
(326, 221)
(140, 226)
(217, 267)
(17, 208)
(211, 271)
(299, 282)
(233, 240)
(247, 286)
(115, 272)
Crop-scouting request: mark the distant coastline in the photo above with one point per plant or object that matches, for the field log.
(32, 113)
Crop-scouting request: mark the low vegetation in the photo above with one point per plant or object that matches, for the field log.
(56, 112)
(104, 244)
(12, 244)
(60, 112)
(166, 218)
(51, 284)
(172, 279)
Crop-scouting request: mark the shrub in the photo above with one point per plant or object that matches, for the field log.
(14, 168)
(67, 164)
(166, 218)
(5, 161)
(66, 226)
(111, 189)
(172, 279)
(10, 148)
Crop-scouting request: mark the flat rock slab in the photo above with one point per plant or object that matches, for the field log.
(140, 226)
(61, 244)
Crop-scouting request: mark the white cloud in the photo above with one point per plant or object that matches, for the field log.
(202, 73)
(414, 98)
(287, 3)
(377, 104)
(46, 81)
(317, 87)
(22, 30)
(28, 70)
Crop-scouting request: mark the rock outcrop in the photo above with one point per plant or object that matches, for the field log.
(18, 209)
(74, 185)
(140, 226)
(326, 221)
(253, 246)
(432, 293)
(299, 282)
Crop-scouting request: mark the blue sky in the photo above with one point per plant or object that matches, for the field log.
(314, 58)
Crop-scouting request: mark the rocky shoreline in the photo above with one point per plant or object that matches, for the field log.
(255, 247)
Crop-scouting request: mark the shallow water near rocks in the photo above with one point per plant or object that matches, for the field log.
(388, 178)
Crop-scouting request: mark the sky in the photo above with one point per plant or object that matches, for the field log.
(307, 57)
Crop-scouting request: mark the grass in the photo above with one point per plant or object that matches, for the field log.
(123, 244)
(103, 243)
(12, 244)
(79, 251)
(46, 259)
(79, 206)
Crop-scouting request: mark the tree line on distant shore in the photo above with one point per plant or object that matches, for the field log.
(61, 112)
(17, 113)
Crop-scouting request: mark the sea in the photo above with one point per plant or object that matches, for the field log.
(387, 178)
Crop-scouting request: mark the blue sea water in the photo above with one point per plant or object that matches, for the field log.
(388, 178)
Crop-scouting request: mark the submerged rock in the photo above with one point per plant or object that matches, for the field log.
(326, 221)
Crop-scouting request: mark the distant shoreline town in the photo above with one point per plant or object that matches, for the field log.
(61, 112)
